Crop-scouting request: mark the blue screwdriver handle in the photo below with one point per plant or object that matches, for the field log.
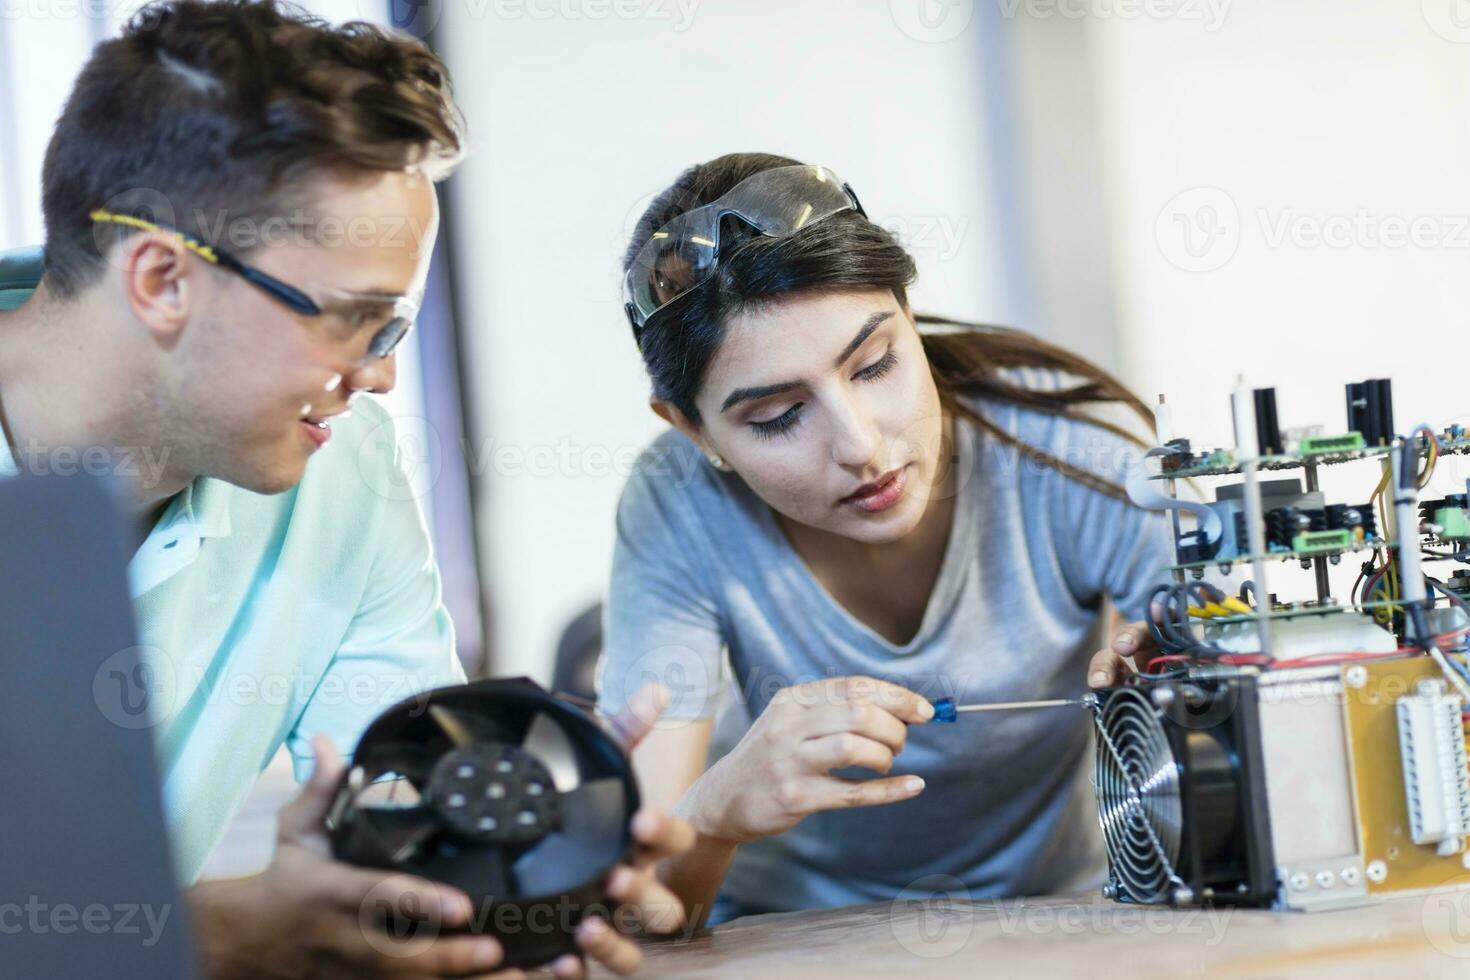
(944, 711)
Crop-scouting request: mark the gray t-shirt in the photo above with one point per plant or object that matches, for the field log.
(708, 596)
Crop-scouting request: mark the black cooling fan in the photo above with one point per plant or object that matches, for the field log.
(1181, 793)
(506, 793)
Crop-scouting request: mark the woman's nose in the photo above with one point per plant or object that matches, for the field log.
(855, 437)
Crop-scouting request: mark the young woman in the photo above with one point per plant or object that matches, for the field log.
(848, 518)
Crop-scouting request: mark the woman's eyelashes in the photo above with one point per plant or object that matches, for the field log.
(879, 367)
(783, 423)
(779, 425)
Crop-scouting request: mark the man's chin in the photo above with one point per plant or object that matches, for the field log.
(266, 480)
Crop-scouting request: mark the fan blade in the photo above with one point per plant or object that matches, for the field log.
(451, 725)
(409, 759)
(466, 727)
(556, 865)
(595, 814)
(549, 744)
(594, 822)
(398, 831)
(478, 872)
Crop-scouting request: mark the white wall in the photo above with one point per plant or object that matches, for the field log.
(576, 122)
(1301, 146)
(1302, 115)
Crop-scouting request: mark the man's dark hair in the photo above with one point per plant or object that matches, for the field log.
(226, 110)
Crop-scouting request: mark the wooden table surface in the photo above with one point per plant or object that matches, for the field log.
(1403, 939)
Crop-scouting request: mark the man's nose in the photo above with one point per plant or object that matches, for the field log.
(374, 374)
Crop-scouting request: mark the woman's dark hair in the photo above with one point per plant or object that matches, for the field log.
(847, 250)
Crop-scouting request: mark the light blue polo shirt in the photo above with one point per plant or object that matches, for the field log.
(266, 619)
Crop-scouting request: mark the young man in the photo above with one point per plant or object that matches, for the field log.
(240, 211)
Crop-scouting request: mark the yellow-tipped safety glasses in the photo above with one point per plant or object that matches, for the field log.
(397, 313)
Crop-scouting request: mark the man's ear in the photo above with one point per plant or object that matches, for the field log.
(671, 414)
(159, 280)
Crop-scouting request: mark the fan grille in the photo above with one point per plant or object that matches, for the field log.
(1138, 800)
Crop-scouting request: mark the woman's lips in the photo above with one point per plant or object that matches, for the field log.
(881, 494)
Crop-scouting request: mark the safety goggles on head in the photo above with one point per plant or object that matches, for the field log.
(397, 313)
(683, 253)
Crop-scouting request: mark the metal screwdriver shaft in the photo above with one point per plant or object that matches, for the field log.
(946, 711)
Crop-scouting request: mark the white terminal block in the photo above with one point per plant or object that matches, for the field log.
(1437, 783)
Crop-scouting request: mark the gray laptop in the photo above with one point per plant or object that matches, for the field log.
(87, 887)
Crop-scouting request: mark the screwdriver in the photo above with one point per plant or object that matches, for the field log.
(947, 712)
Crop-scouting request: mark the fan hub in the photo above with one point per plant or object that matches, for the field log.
(493, 793)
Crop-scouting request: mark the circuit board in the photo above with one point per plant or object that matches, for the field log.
(1395, 864)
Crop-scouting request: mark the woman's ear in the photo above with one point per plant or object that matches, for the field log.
(671, 414)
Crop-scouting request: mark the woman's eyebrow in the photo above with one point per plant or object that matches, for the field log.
(750, 394)
(869, 325)
(739, 395)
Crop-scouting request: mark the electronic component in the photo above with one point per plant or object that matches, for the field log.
(1436, 780)
(1299, 753)
(1350, 442)
(514, 797)
(1450, 517)
(1180, 794)
(1370, 410)
(1268, 429)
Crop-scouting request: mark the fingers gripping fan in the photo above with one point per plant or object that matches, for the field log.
(500, 790)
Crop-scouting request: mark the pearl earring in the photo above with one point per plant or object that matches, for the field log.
(718, 462)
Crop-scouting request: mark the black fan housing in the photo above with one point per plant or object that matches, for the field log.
(514, 797)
